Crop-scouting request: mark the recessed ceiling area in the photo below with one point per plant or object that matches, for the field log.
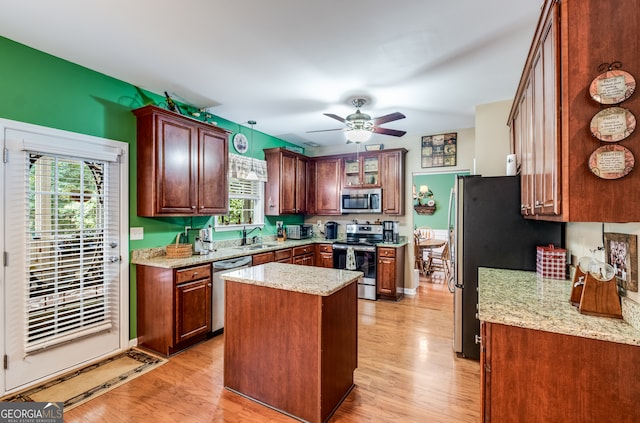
(285, 63)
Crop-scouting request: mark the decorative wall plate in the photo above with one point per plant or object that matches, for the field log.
(240, 143)
(611, 161)
(613, 124)
(612, 87)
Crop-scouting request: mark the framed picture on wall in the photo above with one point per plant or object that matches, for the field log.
(439, 150)
(621, 251)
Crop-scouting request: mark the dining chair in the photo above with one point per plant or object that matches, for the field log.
(419, 262)
(439, 261)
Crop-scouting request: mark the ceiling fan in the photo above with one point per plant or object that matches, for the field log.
(360, 126)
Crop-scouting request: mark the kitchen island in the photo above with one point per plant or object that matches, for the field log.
(291, 337)
(544, 361)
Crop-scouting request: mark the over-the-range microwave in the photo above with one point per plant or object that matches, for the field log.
(361, 200)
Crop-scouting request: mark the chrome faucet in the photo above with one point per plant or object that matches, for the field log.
(245, 233)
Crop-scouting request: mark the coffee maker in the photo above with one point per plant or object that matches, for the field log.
(331, 230)
(390, 231)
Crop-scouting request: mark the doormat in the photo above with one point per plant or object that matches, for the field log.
(82, 385)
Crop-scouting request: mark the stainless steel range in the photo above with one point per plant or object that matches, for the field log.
(358, 252)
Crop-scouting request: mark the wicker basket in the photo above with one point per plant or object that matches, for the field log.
(179, 250)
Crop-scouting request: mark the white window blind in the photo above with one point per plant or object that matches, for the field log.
(68, 294)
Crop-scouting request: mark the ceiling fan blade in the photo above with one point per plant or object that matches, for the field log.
(326, 130)
(386, 131)
(336, 117)
(388, 118)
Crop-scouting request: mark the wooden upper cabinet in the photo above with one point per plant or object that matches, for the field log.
(552, 111)
(392, 178)
(181, 163)
(325, 185)
(286, 188)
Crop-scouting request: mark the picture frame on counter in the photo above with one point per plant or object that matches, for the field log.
(621, 251)
(374, 147)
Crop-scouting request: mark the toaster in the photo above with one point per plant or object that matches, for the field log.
(299, 231)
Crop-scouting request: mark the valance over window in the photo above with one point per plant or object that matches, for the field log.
(240, 166)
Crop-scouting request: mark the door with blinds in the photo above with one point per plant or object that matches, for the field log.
(62, 287)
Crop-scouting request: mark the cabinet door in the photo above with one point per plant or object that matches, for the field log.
(392, 182)
(327, 186)
(193, 309)
(176, 164)
(301, 185)
(213, 173)
(551, 151)
(288, 173)
(387, 276)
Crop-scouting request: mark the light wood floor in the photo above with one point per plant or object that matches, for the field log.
(407, 372)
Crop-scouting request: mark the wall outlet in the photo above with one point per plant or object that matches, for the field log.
(136, 234)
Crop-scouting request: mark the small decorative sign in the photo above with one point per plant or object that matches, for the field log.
(439, 150)
(613, 124)
(611, 161)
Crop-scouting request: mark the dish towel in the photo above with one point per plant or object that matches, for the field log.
(351, 259)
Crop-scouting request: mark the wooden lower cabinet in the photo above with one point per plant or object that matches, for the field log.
(173, 307)
(304, 255)
(283, 256)
(536, 376)
(324, 255)
(390, 273)
(262, 258)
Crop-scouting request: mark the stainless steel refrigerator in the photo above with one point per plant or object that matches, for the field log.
(489, 232)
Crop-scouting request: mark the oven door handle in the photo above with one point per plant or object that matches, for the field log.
(368, 249)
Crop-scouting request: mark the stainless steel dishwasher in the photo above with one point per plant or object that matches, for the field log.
(217, 292)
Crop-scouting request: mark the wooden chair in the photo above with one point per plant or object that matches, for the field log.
(419, 262)
(439, 261)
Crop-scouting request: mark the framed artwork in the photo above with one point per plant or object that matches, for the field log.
(621, 251)
(439, 150)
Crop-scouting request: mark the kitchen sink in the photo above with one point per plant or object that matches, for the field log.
(256, 246)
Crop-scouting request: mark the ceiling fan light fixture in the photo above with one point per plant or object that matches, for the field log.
(358, 135)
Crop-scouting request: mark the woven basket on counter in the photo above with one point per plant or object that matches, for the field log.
(179, 250)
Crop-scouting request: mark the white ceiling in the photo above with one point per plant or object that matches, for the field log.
(284, 63)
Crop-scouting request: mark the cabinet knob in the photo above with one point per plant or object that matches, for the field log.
(193, 207)
(195, 274)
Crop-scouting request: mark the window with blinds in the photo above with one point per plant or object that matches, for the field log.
(245, 203)
(68, 291)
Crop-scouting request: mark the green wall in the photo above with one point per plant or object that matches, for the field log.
(441, 185)
(41, 89)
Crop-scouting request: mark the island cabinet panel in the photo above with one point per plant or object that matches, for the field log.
(293, 351)
(182, 165)
(553, 108)
(536, 376)
(173, 307)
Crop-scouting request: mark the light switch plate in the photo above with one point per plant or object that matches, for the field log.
(136, 234)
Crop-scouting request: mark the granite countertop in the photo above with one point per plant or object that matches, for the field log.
(520, 298)
(156, 257)
(314, 280)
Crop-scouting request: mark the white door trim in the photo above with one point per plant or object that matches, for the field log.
(5, 125)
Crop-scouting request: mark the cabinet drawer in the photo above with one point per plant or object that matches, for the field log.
(282, 254)
(298, 251)
(193, 273)
(386, 252)
(262, 258)
(325, 248)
